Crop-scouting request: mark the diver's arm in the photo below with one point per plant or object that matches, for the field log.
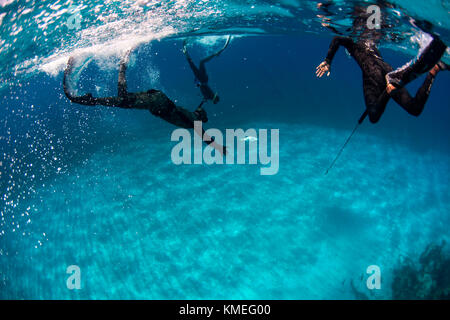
(325, 66)
(334, 46)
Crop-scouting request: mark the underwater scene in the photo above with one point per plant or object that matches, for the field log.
(324, 170)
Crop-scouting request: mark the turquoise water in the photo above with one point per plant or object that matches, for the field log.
(96, 187)
(137, 232)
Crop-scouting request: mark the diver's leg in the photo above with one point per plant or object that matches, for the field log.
(108, 101)
(89, 100)
(164, 108)
(161, 106)
(426, 59)
(67, 73)
(122, 82)
(375, 101)
(189, 60)
(199, 75)
(414, 106)
(86, 99)
(192, 65)
(218, 53)
(184, 118)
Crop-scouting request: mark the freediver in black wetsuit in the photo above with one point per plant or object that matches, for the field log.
(380, 82)
(152, 100)
(200, 73)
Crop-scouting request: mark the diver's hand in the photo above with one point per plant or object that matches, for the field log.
(323, 68)
(390, 88)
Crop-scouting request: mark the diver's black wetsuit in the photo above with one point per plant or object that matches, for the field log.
(201, 76)
(153, 100)
(374, 70)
